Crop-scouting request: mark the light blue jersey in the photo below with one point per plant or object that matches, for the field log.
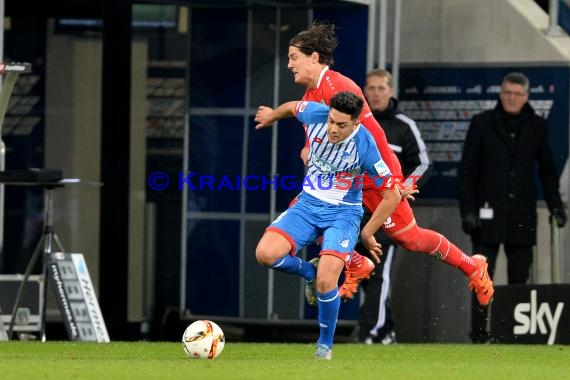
(336, 170)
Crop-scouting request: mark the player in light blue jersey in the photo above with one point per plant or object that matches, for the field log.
(335, 173)
(330, 204)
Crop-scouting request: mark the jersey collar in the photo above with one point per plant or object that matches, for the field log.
(321, 75)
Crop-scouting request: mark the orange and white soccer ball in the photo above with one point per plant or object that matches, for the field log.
(203, 340)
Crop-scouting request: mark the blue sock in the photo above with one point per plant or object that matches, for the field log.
(295, 265)
(329, 304)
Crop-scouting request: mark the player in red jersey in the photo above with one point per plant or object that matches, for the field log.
(310, 55)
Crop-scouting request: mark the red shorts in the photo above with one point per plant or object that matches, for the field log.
(402, 216)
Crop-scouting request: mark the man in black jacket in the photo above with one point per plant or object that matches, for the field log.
(497, 196)
(375, 322)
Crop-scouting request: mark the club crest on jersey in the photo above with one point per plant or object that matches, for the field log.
(323, 166)
(317, 140)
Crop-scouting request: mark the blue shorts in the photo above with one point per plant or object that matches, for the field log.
(310, 218)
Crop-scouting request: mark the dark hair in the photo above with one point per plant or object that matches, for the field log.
(516, 78)
(320, 38)
(348, 103)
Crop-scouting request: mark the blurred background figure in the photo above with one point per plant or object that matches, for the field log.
(376, 322)
(498, 194)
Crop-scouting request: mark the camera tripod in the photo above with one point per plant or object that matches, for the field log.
(45, 246)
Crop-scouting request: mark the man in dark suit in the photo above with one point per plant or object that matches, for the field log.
(498, 195)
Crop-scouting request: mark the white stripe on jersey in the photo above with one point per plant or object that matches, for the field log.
(330, 161)
(336, 171)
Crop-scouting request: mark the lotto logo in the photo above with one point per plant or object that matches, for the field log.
(388, 223)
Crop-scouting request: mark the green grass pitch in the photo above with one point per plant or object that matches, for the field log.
(271, 361)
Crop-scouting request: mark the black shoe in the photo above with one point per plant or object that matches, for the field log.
(481, 337)
(389, 338)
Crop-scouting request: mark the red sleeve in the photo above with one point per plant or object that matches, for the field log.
(334, 82)
(379, 136)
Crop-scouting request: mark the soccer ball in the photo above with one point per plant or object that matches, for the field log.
(203, 340)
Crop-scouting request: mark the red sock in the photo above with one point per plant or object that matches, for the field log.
(433, 243)
(355, 261)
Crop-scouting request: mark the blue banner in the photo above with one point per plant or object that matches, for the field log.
(442, 100)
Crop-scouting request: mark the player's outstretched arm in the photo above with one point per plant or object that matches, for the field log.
(266, 116)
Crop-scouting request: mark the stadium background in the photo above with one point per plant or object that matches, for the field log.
(176, 92)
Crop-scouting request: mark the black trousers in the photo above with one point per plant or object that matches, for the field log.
(375, 317)
(375, 314)
(519, 261)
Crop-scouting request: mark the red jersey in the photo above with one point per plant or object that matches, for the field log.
(330, 82)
